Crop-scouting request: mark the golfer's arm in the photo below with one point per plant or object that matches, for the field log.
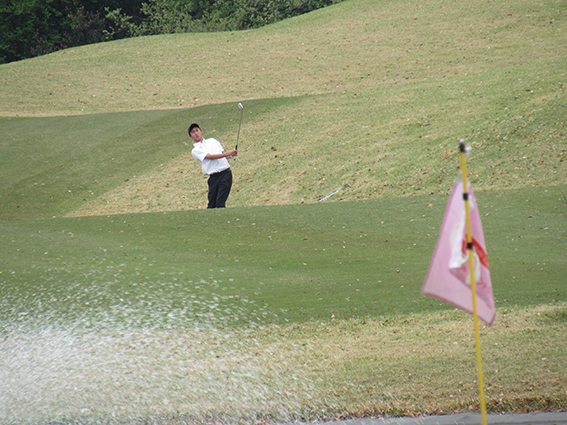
(216, 155)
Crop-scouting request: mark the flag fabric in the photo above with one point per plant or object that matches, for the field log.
(448, 277)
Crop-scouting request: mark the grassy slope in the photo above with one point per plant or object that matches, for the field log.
(348, 47)
(365, 93)
(386, 90)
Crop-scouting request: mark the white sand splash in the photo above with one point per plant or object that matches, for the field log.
(200, 376)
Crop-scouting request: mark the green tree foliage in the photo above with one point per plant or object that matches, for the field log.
(159, 17)
(35, 27)
(169, 16)
(24, 25)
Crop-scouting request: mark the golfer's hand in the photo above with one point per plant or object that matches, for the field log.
(233, 152)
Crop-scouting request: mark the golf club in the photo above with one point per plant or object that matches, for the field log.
(241, 106)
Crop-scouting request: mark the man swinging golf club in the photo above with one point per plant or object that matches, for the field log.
(214, 162)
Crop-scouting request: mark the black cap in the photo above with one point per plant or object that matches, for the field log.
(192, 126)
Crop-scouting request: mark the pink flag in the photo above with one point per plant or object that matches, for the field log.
(448, 277)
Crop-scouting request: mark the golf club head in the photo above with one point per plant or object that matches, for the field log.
(240, 105)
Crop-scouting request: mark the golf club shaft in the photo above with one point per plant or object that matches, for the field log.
(239, 125)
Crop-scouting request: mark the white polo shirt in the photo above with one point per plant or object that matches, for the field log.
(210, 146)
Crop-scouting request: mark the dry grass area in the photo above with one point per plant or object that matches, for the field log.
(302, 151)
(349, 47)
(428, 361)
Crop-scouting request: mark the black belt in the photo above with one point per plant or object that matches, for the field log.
(220, 172)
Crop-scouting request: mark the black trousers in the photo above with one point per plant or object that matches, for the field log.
(219, 188)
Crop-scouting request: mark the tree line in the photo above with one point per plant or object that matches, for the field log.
(32, 28)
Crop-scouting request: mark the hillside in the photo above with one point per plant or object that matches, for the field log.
(373, 95)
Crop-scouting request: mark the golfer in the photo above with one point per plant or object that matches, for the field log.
(210, 153)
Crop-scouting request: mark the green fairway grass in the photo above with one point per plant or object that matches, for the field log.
(275, 264)
(122, 300)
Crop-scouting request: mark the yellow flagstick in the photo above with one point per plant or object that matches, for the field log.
(473, 282)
